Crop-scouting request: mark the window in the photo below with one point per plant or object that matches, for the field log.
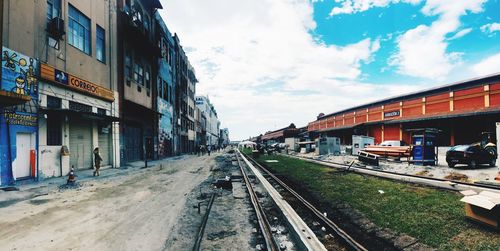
(54, 130)
(139, 74)
(146, 23)
(53, 9)
(147, 79)
(101, 111)
(159, 87)
(53, 102)
(165, 90)
(79, 30)
(137, 17)
(100, 44)
(128, 65)
(170, 55)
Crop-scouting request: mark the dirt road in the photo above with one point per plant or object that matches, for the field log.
(127, 212)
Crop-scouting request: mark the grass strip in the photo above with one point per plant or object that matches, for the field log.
(435, 217)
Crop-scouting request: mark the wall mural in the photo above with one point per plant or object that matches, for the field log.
(20, 76)
(165, 128)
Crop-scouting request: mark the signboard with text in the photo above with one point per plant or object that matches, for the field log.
(50, 73)
(391, 114)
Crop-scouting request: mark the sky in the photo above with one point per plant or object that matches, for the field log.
(267, 63)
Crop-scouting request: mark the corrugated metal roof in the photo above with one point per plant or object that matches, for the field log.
(454, 86)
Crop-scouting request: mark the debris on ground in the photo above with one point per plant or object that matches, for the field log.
(457, 176)
(422, 173)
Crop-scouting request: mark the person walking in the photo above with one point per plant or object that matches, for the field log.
(209, 148)
(97, 161)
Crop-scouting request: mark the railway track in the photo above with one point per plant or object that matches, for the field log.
(346, 241)
(264, 225)
(431, 181)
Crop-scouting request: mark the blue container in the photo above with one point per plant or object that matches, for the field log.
(424, 152)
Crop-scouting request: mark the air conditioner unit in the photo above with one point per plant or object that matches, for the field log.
(55, 28)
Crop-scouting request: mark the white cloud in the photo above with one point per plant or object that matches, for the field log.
(354, 6)
(460, 34)
(423, 51)
(489, 65)
(490, 28)
(262, 68)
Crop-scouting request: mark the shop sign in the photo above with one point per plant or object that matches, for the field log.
(20, 119)
(50, 73)
(391, 114)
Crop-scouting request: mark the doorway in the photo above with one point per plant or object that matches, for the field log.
(21, 165)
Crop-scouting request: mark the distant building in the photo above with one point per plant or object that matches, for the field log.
(212, 121)
(224, 137)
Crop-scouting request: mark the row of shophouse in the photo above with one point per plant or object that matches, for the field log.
(77, 75)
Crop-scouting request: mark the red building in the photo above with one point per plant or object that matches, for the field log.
(461, 111)
(279, 136)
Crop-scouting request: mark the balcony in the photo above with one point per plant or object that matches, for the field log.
(137, 35)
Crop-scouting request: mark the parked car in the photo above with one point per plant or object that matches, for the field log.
(393, 143)
(471, 155)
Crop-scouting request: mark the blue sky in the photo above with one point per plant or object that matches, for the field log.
(268, 63)
(392, 20)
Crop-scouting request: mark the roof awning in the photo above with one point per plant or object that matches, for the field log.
(87, 115)
(444, 116)
(12, 99)
(337, 128)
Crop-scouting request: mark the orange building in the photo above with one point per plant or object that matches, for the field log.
(460, 110)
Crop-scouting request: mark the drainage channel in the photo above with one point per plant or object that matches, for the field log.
(330, 234)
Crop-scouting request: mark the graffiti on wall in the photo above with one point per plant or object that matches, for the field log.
(165, 128)
(19, 75)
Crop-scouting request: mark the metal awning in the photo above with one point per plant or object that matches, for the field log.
(87, 115)
(337, 128)
(444, 116)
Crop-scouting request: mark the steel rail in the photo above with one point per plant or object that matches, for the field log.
(199, 235)
(341, 233)
(264, 225)
(344, 166)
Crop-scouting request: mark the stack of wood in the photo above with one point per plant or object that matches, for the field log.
(389, 151)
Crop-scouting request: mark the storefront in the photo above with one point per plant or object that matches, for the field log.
(76, 115)
(19, 119)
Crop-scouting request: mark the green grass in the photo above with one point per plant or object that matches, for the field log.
(435, 217)
(246, 151)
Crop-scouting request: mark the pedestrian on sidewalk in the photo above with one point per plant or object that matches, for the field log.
(97, 161)
(209, 148)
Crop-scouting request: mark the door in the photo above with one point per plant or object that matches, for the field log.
(104, 146)
(133, 143)
(21, 166)
(80, 143)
